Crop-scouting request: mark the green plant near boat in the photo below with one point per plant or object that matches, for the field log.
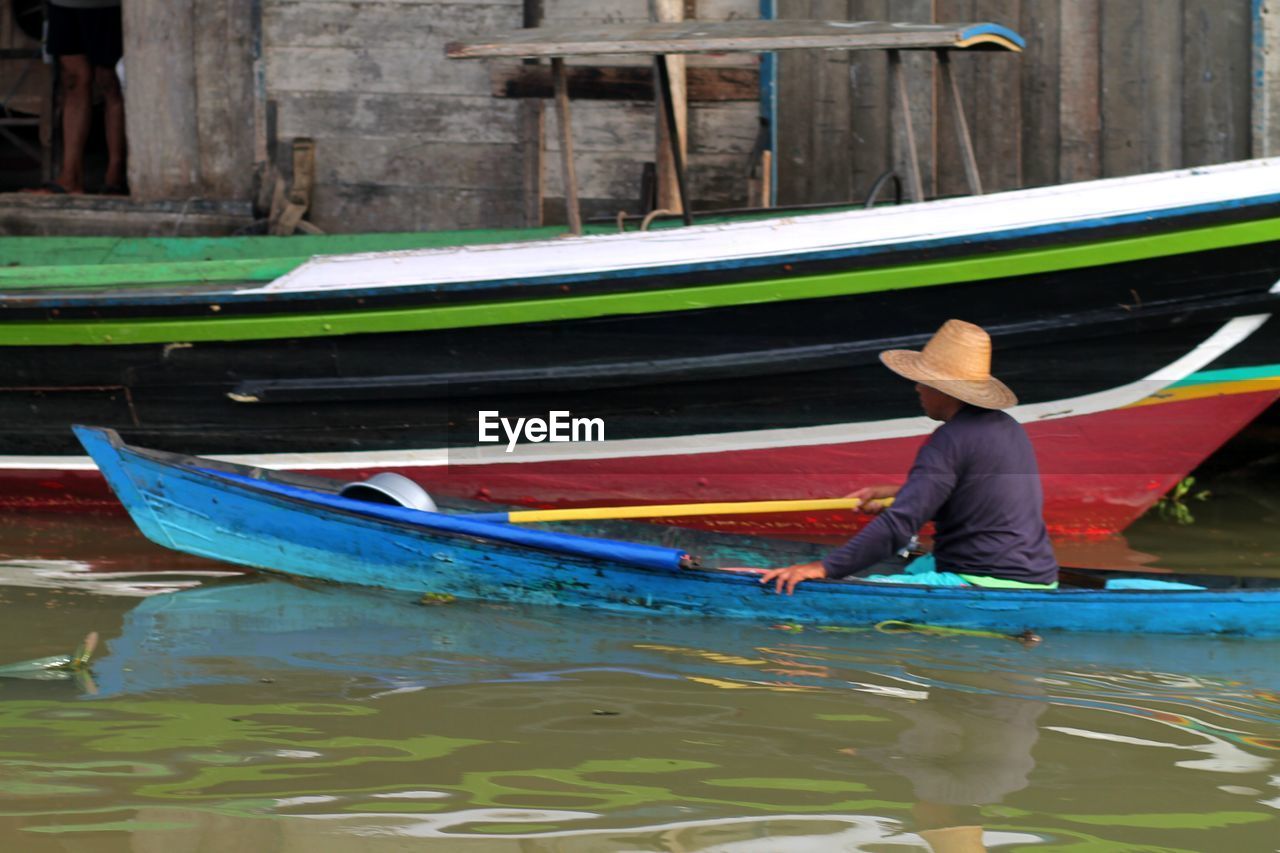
(1173, 507)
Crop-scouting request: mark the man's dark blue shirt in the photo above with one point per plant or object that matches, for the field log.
(976, 477)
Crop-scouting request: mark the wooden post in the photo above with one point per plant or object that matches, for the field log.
(571, 208)
(533, 130)
(669, 195)
(532, 136)
(766, 178)
(910, 155)
(160, 107)
(962, 127)
(673, 142)
(1266, 81)
(189, 101)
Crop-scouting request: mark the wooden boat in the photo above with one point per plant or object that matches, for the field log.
(304, 527)
(727, 362)
(730, 361)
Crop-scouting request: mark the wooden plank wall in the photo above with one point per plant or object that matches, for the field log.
(407, 140)
(613, 140)
(189, 99)
(1104, 88)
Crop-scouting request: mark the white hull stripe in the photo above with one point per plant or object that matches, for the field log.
(1207, 351)
(1040, 209)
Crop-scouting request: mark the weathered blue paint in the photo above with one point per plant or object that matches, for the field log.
(996, 30)
(176, 504)
(631, 553)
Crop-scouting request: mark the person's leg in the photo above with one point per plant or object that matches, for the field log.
(114, 118)
(77, 79)
(919, 579)
(923, 570)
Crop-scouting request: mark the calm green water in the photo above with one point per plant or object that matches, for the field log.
(230, 713)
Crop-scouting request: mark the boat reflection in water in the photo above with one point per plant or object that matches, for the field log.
(356, 720)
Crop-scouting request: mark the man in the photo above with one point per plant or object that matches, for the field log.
(976, 477)
(87, 38)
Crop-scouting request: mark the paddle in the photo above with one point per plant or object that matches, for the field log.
(674, 510)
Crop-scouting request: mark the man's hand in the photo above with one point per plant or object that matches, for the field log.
(789, 576)
(872, 498)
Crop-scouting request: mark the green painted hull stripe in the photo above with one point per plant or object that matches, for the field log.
(112, 263)
(1026, 262)
(89, 262)
(1234, 374)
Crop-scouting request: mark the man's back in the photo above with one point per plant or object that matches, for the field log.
(992, 523)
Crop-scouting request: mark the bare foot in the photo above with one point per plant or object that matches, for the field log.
(54, 188)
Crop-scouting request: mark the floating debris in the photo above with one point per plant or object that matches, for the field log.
(58, 667)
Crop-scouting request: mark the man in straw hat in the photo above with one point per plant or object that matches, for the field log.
(975, 477)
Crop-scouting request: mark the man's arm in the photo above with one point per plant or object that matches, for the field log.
(930, 483)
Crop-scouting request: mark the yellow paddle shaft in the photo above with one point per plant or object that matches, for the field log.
(678, 510)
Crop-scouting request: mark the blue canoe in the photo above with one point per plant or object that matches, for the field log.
(301, 526)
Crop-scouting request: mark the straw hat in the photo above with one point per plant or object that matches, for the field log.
(957, 362)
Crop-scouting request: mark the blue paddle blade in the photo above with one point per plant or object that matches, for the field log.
(631, 553)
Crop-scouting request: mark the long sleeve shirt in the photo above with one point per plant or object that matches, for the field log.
(976, 477)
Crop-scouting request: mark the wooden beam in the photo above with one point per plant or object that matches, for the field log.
(672, 142)
(622, 82)
(911, 156)
(532, 137)
(533, 129)
(1266, 81)
(572, 209)
(733, 36)
(962, 127)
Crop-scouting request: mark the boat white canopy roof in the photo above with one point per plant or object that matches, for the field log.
(735, 36)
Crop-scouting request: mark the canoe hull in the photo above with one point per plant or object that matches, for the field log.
(184, 508)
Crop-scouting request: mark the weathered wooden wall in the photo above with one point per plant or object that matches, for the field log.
(189, 98)
(1105, 88)
(405, 140)
(408, 140)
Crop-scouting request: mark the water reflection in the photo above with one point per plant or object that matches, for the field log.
(963, 749)
(267, 715)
